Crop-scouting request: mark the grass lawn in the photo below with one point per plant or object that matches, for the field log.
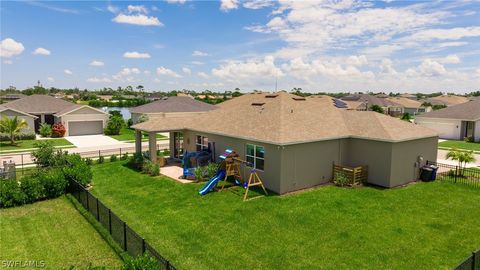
(55, 232)
(29, 144)
(128, 134)
(460, 145)
(421, 226)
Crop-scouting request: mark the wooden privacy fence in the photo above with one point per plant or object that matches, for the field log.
(353, 175)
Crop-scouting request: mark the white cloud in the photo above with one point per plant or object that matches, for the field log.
(113, 9)
(357, 60)
(203, 75)
(251, 69)
(68, 72)
(198, 63)
(181, 2)
(450, 59)
(7, 62)
(430, 68)
(50, 79)
(99, 80)
(187, 70)
(136, 55)
(445, 34)
(199, 53)
(137, 9)
(9, 47)
(129, 71)
(97, 63)
(257, 4)
(167, 72)
(137, 19)
(41, 51)
(226, 5)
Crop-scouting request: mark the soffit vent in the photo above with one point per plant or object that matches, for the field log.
(271, 96)
(298, 98)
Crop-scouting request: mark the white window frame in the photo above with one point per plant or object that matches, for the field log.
(202, 145)
(255, 155)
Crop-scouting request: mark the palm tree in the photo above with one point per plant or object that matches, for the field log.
(463, 157)
(12, 126)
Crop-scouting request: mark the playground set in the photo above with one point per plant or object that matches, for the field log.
(229, 167)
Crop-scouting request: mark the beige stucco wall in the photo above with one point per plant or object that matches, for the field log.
(295, 167)
(405, 159)
(30, 120)
(270, 176)
(477, 131)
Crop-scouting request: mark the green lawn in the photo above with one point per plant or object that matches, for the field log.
(55, 232)
(29, 144)
(460, 145)
(421, 226)
(128, 134)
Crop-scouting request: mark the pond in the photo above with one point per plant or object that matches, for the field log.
(123, 111)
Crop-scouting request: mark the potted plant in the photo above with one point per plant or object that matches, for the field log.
(161, 158)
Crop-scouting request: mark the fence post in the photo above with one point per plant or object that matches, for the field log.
(22, 165)
(99, 154)
(98, 213)
(110, 221)
(456, 173)
(473, 261)
(120, 152)
(124, 236)
(143, 246)
(167, 265)
(88, 205)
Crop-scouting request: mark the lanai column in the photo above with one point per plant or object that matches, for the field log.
(138, 141)
(152, 146)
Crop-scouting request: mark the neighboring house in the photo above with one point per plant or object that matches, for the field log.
(293, 141)
(447, 100)
(10, 97)
(455, 122)
(11, 113)
(409, 96)
(170, 106)
(363, 102)
(77, 119)
(406, 105)
(105, 97)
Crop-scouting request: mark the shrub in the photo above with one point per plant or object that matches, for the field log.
(199, 172)
(32, 188)
(53, 181)
(468, 139)
(88, 161)
(45, 130)
(136, 161)
(11, 193)
(376, 108)
(147, 166)
(341, 179)
(144, 262)
(19, 137)
(58, 130)
(211, 169)
(43, 155)
(114, 125)
(129, 122)
(155, 170)
(77, 169)
(113, 158)
(124, 156)
(101, 160)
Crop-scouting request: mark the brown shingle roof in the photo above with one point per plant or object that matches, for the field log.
(35, 104)
(405, 102)
(466, 111)
(448, 100)
(284, 120)
(173, 104)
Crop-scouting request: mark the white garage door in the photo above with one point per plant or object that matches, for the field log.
(85, 128)
(445, 129)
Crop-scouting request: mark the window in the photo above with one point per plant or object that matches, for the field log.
(255, 155)
(201, 143)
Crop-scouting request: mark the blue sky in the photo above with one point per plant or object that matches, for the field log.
(401, 46)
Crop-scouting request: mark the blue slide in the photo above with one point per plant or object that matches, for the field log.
(212, 182)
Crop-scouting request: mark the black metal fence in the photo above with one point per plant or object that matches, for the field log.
(457, 174)
(470, 263)
(127, 238)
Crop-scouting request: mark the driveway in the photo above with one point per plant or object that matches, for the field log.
(92, 141)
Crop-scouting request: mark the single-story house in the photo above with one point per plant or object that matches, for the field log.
(11, 113)
(406, 105)
(171, 106)
(454, 122)
(77, 119)
(447, 100)
(293, 142)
